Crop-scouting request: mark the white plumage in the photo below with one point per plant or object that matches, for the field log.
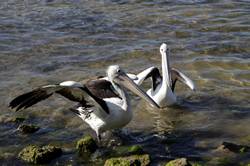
(162, 90)
(103, 105)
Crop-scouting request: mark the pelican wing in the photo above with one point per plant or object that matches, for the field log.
(152, 72)
(71, 90)
(29, 99)
(177, 75)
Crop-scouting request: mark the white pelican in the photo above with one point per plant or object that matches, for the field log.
(103, 105)
(162, 90)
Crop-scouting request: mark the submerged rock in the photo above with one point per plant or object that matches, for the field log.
(179, 162)
(127, 150)
(196, 164)
(222, 161)
(18, 119)
(119, 151)
(12, 119)
(231, 147)
(135, 149)
(86, 145)
(39, 155)
(27, 129)
(141, 160)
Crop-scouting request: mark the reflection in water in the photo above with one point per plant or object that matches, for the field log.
(44, 42)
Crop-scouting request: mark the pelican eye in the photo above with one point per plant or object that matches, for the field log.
(118, 70)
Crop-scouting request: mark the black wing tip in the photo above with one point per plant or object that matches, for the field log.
(12, 105)
(28, 99)
(13, 108)
(15, 103)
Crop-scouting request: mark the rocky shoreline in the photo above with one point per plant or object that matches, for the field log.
(86, 149)
(116, 152)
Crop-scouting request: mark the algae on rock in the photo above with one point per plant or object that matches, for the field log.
(142, 160)
(231, 147)
(135, 149)
(86, 145)
(127, 150)
(39, 155)
(179, 162)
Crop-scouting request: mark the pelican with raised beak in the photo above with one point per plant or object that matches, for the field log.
(102, 104)
(162, 89)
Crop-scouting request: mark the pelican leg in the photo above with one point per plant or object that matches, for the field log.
(99, 138)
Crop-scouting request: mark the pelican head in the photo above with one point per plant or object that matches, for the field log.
(164, 49)
(113, 71)
(120, 79)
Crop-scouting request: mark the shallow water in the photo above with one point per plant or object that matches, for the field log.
(50, 41)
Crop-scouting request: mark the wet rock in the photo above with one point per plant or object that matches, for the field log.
(27, 129)
(86, 145)
(196, 164)
(12, 119)
(118, 151)
(231, 147)
(179, 162)
(39, 155)
(127, 150)
(135, 149)
(141, 160)
(18, 119)
(101, 154)
(222, 161)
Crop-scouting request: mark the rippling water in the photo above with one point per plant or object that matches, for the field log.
(49, 41)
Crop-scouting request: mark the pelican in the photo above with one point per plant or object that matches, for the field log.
(103, 105)
(162, 89)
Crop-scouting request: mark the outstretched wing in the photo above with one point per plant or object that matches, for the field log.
(177, 75)
(152, 72)
(86, 95)
(70, 91)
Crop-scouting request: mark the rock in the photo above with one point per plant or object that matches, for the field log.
(18, 119)
(118, 151)
(231, 147)
(86, 145)
(127, 150)
(179, 162)
(196, 164)
(27, 129)
(135, 149)
(141, 160)
(12, 119)
(222, 161)
(39, 155)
